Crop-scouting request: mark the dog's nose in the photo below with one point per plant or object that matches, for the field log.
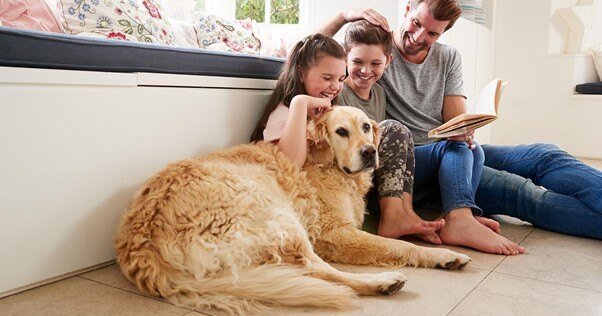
(368, 152)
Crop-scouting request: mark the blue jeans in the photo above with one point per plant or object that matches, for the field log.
(512, 182)
(453, 170)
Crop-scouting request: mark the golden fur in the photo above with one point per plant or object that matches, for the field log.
(242, 228)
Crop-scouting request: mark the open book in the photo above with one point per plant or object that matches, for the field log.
(482, 110)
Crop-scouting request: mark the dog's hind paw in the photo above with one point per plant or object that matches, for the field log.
(395, 287)
(388, 282)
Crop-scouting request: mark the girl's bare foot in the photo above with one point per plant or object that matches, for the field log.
(432, 238)
(407, 224)
(492, 224)
(463, 229)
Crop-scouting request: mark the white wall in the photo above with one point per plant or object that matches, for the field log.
(71, 163)
(324, 10)
(538, 104)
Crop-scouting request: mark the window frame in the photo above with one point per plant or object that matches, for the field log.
(227, 9)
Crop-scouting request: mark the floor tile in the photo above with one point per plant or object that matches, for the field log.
(558, 258)
(511, 228)
(501, 294)
(111, 275)
(78, 296)
(427, 292)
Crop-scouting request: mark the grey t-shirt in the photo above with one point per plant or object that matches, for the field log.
(415, 91)
(374, 108)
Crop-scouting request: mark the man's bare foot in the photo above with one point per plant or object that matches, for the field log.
(408, 224)
(463, 229)
(492, 224)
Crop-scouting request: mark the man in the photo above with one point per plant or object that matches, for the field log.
(424, 89)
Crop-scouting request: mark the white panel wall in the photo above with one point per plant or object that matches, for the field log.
(538, 104)
(74, 155)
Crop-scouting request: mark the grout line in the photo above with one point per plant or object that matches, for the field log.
(488, 274)
(136, 293)
(145, 296)
(465, 296)
(549, 282)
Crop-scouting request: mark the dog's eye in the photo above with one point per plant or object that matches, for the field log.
(366, 127)
(342, 132)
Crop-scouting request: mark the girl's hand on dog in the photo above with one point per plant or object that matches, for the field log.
(315, 106)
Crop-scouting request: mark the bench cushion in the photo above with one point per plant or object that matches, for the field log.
(24, 48)
(589, 88)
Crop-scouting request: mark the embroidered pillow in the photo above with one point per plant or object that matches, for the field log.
(216, 33)
(132, 20)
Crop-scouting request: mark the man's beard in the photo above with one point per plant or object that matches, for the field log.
(408, 48)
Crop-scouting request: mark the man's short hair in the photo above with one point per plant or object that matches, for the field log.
(441, 10)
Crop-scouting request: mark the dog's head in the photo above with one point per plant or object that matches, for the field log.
(345, 136)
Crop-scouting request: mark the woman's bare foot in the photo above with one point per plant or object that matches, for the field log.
(463, 229)
(492, 224)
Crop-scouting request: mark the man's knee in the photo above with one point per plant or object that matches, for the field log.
(547, 150)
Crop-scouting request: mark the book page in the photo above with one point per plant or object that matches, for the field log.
(486, 102)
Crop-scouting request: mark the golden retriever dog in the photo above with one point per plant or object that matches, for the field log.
(243, 229)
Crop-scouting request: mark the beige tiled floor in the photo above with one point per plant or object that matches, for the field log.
(558, 275)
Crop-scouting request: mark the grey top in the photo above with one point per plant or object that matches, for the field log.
(374, 107)
(415, 91)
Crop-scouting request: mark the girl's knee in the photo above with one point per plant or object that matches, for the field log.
(393, 127)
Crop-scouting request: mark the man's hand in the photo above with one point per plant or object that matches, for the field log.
(468, 138)
(369, 15)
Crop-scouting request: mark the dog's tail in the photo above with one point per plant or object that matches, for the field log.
(260, 287)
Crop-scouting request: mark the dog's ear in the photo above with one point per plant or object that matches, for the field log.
(375, 133)
(376, 137)
(319, 150)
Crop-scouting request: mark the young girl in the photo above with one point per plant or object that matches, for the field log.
(310, 79)
(368, 50)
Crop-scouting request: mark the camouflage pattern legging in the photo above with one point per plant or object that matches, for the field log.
(395, 173)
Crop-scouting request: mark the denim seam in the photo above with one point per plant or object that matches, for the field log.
(531, 158)
(466, 204)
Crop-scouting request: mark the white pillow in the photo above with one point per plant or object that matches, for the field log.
(185, 35)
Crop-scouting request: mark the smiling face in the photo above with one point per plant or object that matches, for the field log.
(365, 64)
(419, 32)
(325, 78)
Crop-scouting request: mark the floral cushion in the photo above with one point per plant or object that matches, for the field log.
(132, 20)
(216, 33)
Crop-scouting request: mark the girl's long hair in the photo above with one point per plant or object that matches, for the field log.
(303, 56)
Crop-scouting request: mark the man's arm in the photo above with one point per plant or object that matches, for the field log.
(333, 25)
(453, 106)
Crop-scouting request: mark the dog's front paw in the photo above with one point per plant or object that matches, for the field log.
(393, 282)
(448, 259)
